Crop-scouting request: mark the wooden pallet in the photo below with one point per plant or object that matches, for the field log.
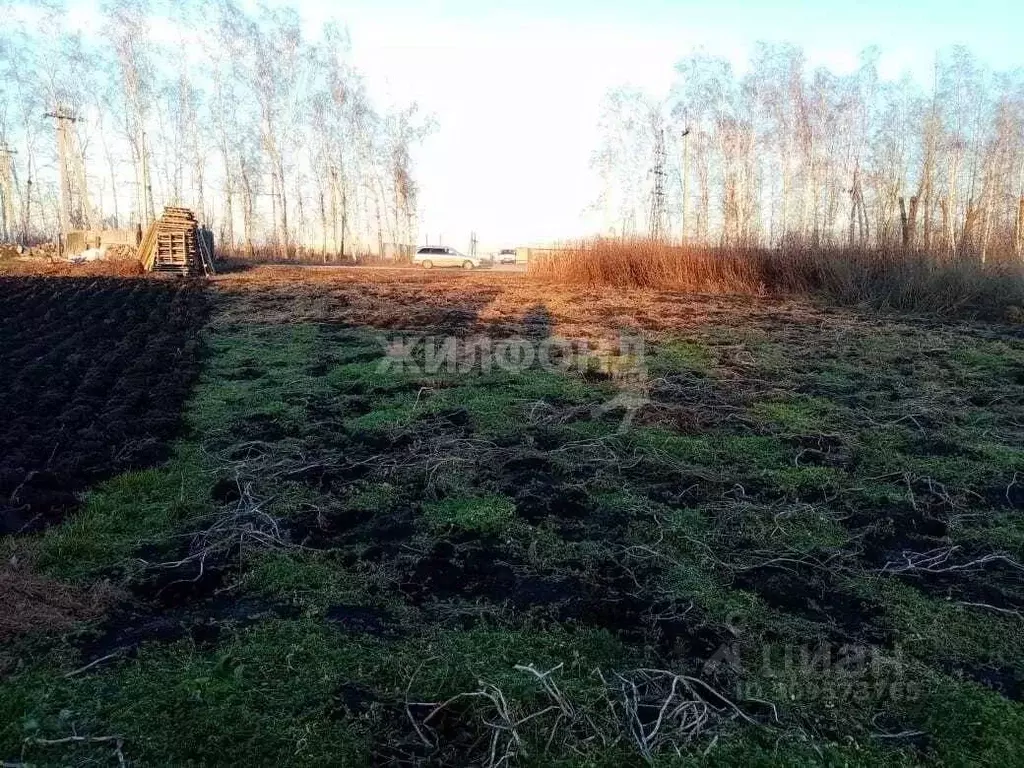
(173, 244)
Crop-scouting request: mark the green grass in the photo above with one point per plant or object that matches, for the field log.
(284, 691)
(997, 532)
(679, 356)
(800, 415)
(409, 569)
(483, 514)
(747, 453)
(940, 629)
(374, 497)
(312, 581)
(126, 513)
(264, 694)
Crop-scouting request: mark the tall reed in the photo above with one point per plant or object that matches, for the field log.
(883, 278)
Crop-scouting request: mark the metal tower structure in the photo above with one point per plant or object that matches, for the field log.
(657, 216)
(74, 199)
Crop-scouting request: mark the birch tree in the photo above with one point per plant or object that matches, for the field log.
(785, 155)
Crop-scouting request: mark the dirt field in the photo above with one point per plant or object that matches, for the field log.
(692, 530)
(95, 373)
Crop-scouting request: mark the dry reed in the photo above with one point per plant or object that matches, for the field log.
(881, 278)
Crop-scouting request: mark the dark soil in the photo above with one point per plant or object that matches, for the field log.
(137, 622)
(812, 595)
(361, 619)
(95, 372)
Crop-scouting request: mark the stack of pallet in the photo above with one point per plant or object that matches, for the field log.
(174, 244)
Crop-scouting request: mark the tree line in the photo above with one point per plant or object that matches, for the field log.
(786, 154)
(266, 131)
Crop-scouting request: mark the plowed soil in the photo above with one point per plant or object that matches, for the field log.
(95, 372)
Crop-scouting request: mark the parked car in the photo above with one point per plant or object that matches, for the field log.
(507, 256)
(430, 256)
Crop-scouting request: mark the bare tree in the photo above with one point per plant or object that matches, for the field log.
(127, 24)
(784, 154)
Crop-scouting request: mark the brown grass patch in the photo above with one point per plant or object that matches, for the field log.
(119, 267)
(31, 602)
(442, 302)
(880, 278)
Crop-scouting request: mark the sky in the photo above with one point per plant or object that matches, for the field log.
(515, 88)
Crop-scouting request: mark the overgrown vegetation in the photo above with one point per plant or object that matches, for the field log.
(881, 278)
(779, 153)
(801, 547)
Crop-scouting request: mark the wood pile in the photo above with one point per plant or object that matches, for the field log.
(174, 244)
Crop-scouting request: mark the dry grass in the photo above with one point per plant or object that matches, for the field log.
(33, 603)
(457, 302)
(46, 268)
(242, 255)
(879, 278)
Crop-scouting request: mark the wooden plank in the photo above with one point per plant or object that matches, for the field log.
(147, 249)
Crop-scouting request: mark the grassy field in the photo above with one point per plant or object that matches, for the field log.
(762, 533)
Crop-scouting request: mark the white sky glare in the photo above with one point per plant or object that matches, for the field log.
(516, 88)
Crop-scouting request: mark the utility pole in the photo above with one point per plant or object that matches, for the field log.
(63, 118)
(658, 188)
(7, 192)
(686, 183)
(74, 200)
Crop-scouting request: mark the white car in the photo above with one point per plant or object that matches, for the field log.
(430, 256)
